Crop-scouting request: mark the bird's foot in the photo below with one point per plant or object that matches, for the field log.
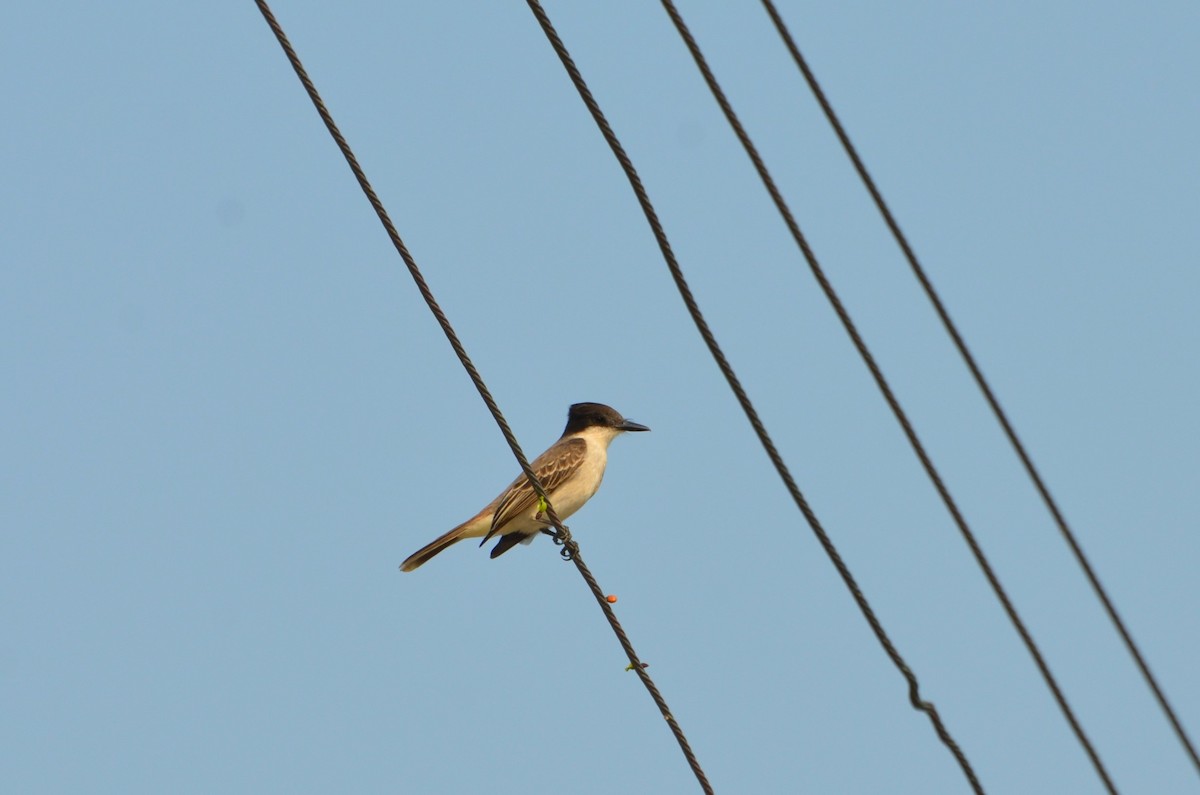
(550, 530)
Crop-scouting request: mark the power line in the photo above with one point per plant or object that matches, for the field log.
(981, 382)
(889, 396)
(561, 535)
(735, 384)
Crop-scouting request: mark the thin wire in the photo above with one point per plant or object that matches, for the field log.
(561, 535)
(886, 390)
(743, 399)
(981, 382)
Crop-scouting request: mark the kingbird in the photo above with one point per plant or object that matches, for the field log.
(570, 472)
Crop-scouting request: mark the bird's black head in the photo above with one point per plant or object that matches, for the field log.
(590, 415)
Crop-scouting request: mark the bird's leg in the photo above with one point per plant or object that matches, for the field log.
(548, 526)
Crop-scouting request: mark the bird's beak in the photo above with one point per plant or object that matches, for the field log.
(630, 425)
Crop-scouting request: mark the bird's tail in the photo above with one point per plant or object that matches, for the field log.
(426, 552)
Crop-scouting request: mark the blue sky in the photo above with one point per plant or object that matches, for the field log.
(228, 415)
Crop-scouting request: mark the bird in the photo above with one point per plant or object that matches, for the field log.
(570, 471)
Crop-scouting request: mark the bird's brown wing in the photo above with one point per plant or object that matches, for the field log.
(552, 468)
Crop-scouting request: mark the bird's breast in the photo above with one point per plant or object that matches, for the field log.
(571, 496)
